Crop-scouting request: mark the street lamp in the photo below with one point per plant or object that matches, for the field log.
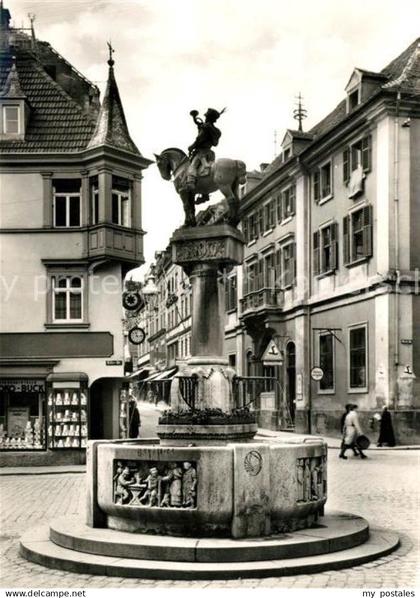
(150, 291)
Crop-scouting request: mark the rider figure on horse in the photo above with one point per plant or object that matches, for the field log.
(200, 153)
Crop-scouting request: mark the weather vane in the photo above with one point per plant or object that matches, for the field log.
(111, 52)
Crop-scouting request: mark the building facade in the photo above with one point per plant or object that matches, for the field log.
(166, 320)
(71, 228)
(332, 257)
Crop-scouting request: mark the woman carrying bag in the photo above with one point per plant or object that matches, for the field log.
(352, 431)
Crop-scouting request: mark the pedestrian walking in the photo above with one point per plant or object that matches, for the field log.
(134, 421)
(386, 430)
(343, 417)
(351, 431)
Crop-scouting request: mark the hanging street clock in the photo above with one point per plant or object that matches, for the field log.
(136, 335)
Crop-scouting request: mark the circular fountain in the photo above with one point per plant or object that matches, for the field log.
(207, 499)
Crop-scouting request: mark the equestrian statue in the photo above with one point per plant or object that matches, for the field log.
(197, 175)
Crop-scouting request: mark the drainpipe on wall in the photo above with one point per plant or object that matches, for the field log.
(307, 194)
(397, 241)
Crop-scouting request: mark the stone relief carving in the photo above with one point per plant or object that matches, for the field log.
(155, 484)
(311, 479)
(253, 463)
(200, 250)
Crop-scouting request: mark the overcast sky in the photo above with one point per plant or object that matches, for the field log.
(251, 56)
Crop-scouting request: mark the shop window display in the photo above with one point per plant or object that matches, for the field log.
(67, 417)
(22, 415)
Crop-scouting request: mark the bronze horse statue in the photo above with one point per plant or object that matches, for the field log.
(224, 175)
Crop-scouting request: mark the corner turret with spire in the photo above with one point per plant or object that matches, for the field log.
(111, 126)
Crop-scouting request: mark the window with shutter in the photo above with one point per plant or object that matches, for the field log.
(271, 216)
(289, 264)
(279, 208)
(367, 231)
(316, 187)
(253, 227)
(358, 357)
(261, 221)
(269, 271)
(357, 235)
(288, 202)
(245, 229)
(316, 261)
(292, 200)
(260, 282)
(326, 180)
(346, 166)
(366, 148)
(293, 259)
(326, 249)
(346, 240)
(326, 361)
(278, 268)
(245, 283)
(334, 246)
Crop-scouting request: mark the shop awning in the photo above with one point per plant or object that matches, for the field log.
(138, 372)
(165, 375)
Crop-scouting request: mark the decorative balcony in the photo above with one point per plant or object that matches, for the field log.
(261, 300)
(116, 243)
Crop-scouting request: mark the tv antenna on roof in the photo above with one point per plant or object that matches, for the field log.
(300, 113)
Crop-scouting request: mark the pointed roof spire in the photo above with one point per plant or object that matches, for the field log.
(111, 126)
(12, 87)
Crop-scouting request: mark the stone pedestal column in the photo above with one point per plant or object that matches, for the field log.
(207, 323)
(203, 252)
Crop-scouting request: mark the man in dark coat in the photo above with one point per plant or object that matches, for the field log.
(386, 431)
(133, 419)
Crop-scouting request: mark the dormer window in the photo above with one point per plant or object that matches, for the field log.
(362, 84)
(11, 120)
(353, 100)
(13, 106)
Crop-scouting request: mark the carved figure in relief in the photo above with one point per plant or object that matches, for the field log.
(314, 482)
(174, 480)
(189, 484)
(166, 500)
(301, 479)
(152, 484)
(124, 479)
(308, 479)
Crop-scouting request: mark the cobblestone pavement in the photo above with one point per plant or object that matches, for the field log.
(384, 489)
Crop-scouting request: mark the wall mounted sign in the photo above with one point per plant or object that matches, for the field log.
(317, 374)
(406, 341)
(114, 362)
(299, 384)
(272, 354)
(13, 385)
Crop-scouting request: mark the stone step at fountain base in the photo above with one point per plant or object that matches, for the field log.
(341, 540)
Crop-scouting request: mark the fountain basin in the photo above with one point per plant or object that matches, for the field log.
(238, 490)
